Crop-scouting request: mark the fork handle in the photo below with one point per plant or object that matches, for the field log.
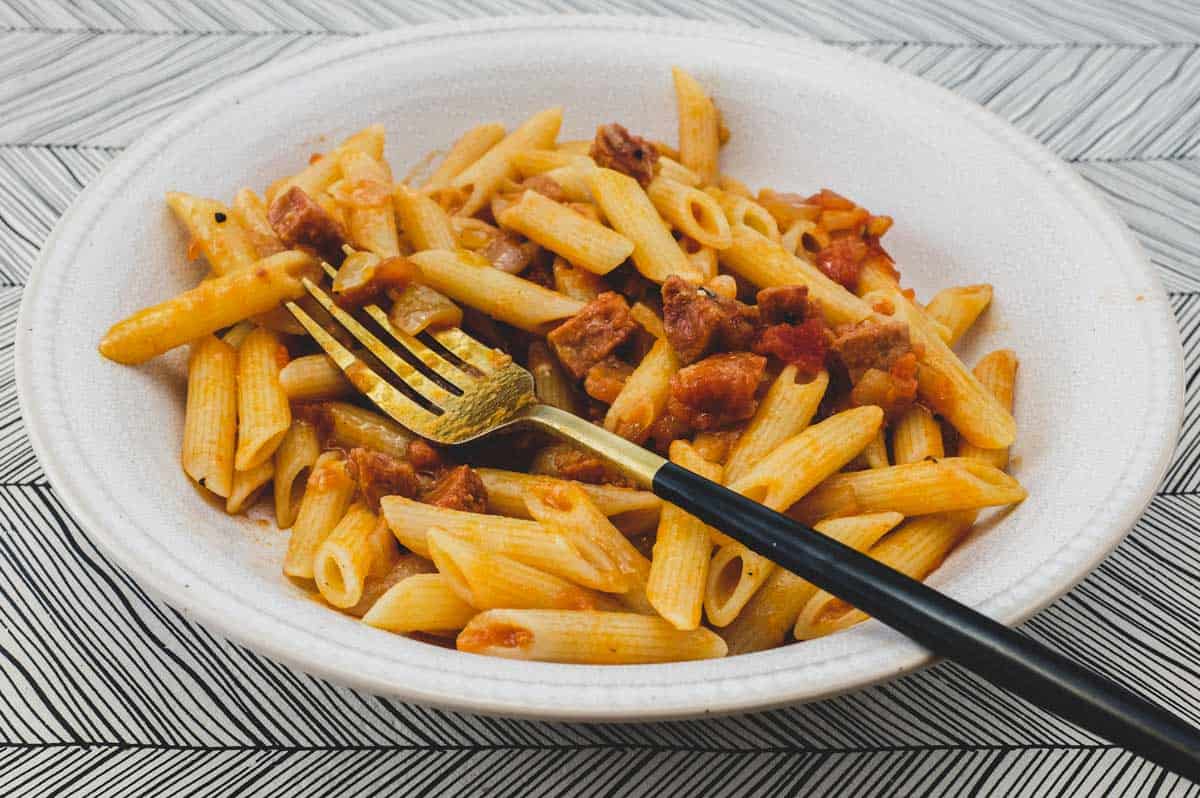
(1001, 655)
(946, 627)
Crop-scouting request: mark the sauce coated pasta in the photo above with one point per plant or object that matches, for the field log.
(761, 339)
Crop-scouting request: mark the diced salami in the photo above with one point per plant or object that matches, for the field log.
(593, 333)
(459, 488)
(300, 222)
(379, 475)
(879, 359)
(871, 344)
(606, 379)
(802, 345)
(698, 321)
(616, 148)
(784, 304)
(717, 391)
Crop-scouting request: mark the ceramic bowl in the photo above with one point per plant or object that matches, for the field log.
(1099, 389)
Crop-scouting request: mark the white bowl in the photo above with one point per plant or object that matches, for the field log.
(1099, 387)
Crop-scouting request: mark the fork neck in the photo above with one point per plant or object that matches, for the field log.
(635, 462)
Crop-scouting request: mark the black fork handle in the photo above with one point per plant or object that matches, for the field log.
(949, 629)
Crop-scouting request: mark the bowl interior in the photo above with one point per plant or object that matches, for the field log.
(973, 202)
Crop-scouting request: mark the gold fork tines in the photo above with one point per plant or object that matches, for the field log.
(411, 376)
(468, 350)
(451, 402)
(384, 395)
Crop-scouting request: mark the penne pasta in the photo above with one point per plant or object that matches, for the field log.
(247, 485)
(370, 217)
(384, 551)
(251, 212)
(529, 163)
(672, 169)
(404, 566)
(731, 185)
(342, 562)
(915, 549)
(772, 612)
(793, 238)
(210, 306)
(690, 211)
(543, 252)
(917, 436)
(471, 279)
(294, 461)
(264, 414)
(210, 420)
(410, 520)
(920, 546)
(648, 319)
(945, 384)
(656, 254)
(875, 453)
(423, 221)
(766, 263)
(472, 146)
(550, 382)
(713, 446)
(783, 413)
(487, 580)
(576, 147)
(682, 550)
(314, 377)
(215, 230)
(704, 263)
(800, 463)
(791, 470)
(507, 490)
(742, 211)
(327, 495)
(876, 276)
(540, 548)
(481, 179)
(953, 483)
(585, 637)
(958, 308)
(699, 127)
(565, 508)
(420, 603)
(786, 209)
(574, 179)
(320, 173)
(643, 398)
(350, 426)
(997, 372)
(583, 242)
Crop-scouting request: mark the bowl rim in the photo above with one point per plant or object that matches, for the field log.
(895, 656)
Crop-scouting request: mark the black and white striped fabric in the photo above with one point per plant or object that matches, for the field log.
(106, 692)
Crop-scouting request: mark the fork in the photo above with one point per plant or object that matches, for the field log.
(457, 390)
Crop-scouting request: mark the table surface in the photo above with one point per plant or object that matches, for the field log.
(104, 691)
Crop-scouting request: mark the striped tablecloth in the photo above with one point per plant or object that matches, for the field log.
(104, 691)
